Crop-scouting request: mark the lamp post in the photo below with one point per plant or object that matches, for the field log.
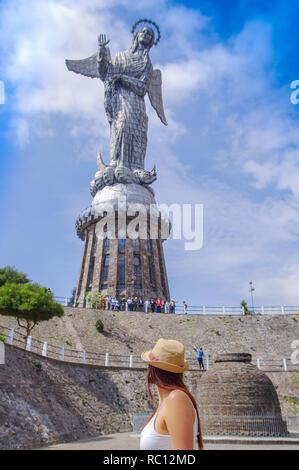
(251, 291)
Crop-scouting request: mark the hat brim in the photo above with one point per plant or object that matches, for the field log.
(164, 365)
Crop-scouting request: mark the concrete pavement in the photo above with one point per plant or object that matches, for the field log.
(130, 441)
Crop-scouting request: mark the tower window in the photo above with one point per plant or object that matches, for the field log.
(137, 271)
(105, 268)
(121, 244)
(90, 272)
(137, 245)
(121, 268)
(106, 244)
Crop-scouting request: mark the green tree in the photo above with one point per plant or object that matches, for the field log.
(11, 274)
(244, 305)
(72, 299)
(28, 303)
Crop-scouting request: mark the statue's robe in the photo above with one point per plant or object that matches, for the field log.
(125, 108)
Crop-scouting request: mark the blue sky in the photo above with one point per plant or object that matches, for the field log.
(231, 143)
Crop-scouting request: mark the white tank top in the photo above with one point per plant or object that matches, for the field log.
(150, 439)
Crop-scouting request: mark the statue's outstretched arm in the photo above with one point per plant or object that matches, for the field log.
(103, 57)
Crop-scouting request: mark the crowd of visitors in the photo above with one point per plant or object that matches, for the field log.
(133, 304)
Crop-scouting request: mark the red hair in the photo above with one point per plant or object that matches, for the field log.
(170, 381)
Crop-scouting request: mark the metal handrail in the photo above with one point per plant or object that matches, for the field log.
(212, 310)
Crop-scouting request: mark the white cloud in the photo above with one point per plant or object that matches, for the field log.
(20, 129)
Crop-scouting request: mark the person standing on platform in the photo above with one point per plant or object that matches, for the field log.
(199, 356)
(130, 304)
(185, 307)
(158, 305)
(140, 305)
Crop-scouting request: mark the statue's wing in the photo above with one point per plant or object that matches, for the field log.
(155, 94)
(87, 67)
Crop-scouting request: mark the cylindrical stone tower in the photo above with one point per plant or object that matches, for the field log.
(117, 264)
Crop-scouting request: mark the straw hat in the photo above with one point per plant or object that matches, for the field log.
(167, 354)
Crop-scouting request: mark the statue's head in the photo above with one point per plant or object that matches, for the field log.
(145, 38)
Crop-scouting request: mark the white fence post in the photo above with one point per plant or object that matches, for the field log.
(207, 364)
(282, 310)
(126, 306)
(28, 344)
(65, 302)
(61, 357)
(45, 346)
(131, 361)
(107, 359)
(10, 336)
(243, 310)
(83, 357)
(258, 363)
(285, 364)
(203, 309)
(223, 310)
(263, 310)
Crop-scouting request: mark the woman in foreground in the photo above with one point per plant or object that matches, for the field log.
(175, 422)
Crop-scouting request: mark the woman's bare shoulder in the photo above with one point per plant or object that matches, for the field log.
(179, 396)
(177, 405)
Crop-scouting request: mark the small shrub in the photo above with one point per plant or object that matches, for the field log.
(246, 310)
(99, 325)
(2, 338)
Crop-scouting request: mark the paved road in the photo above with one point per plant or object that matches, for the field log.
(129, 441)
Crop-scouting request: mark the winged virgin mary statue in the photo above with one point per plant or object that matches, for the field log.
(127, 78)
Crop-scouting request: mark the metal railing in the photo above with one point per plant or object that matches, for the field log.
(258, 425)
(206, 310)
(68, 354)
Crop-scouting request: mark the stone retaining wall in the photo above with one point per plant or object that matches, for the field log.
(45, 401)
